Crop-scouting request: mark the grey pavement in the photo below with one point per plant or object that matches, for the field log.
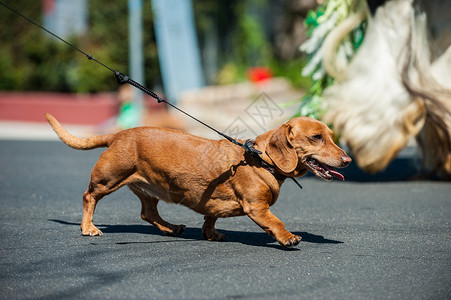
(365, 238)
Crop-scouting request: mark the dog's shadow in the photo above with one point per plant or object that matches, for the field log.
(247, 238)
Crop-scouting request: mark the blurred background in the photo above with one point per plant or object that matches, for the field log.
(242, 66)
(231, 36)
(182, 45)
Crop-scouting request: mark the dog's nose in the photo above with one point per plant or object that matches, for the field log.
(346, 160)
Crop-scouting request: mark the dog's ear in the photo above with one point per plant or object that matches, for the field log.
(281, 151)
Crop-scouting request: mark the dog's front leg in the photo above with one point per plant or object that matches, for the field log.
(272, 225)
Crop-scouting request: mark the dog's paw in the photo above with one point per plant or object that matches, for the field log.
(213, 235)
(293, 240)
(91, 231)
(177, 230)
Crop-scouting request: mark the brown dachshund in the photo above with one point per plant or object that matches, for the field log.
(212, 177)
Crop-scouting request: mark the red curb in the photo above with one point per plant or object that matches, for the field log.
(82, 109)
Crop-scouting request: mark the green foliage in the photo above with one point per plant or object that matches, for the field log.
(290, 70)
(37, 61)
(311, 22)
(8, 79)
(252, 46)
(242, 40)
(30, 59)
(312, 104)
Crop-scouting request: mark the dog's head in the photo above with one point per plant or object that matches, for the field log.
(306, 144)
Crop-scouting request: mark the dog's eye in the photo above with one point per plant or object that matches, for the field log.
(317, 138)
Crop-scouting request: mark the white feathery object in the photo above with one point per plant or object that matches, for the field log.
(370, 106)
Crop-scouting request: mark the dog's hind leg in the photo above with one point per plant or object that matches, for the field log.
(149, 213)
(96, 191)
(209, 231)
(105, 179)
(89, 205)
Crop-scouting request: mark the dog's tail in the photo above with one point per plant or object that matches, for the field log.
(76, 142)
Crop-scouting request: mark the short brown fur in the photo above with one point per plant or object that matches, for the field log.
(212, 177)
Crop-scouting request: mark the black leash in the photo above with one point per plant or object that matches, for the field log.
(121, 79)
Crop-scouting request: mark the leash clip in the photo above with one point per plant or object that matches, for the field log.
(249, 147)
(121, 78)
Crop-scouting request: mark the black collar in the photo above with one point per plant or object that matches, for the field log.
(249, 147)
(249, 144)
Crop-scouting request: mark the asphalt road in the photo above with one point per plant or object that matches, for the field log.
(361, 239)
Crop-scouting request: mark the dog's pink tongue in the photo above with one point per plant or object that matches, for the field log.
(334, 173)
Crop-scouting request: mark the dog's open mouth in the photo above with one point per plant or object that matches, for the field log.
(323, 171)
